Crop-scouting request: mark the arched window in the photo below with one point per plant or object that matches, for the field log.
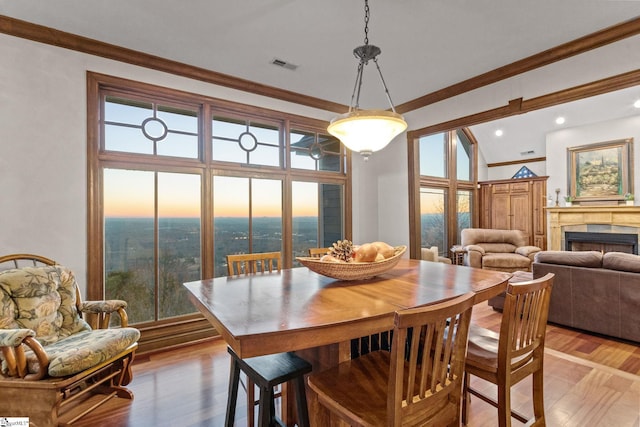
(442, 187)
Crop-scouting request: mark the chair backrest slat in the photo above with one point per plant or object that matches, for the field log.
(245, 264)
(524, 320)
(318, 252)
(427, 360)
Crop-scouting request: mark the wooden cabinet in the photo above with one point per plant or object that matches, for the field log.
(516, 204)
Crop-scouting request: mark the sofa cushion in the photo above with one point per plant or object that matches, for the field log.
(474, 236)
(42, 299)
(621, 262)
(574, 258)
(507, 261)
(83, 350)
(497, 247)
(8, 311)
(87, 349)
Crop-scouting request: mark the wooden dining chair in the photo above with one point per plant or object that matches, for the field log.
(243, 264)
(318, 252)
(515, 353)
(417, 383)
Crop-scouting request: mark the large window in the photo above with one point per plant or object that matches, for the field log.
(151, 240)
(178, 181)
(247, 217)
(443, 182)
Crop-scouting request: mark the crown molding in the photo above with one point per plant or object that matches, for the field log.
(520, 106)
(47, 35)
(589, 42)
(42, 34)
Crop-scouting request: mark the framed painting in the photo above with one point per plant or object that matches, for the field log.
(601, 171)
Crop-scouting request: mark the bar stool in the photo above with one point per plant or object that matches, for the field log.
(267, 372)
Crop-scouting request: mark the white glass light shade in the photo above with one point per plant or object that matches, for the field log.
(367, 131)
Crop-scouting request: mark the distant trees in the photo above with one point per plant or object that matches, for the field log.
(131, 274)
(125, 285)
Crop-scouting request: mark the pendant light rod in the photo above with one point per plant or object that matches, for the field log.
(366, 53)
(367, 131)
(384, 85)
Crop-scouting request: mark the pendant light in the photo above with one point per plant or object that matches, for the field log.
(367, 131)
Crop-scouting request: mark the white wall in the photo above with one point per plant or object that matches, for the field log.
(381, 195)
(43, 168)
(558, 142)
(507, 172)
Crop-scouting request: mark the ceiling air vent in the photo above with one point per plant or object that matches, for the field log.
(284, 64)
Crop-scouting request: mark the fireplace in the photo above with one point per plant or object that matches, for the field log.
(604, 242)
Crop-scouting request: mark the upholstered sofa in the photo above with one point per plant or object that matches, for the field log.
(492, 249)
(56, 349)
(592, 292)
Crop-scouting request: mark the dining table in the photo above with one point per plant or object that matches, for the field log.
(316, 316)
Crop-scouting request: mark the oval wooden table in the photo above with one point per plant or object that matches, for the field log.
(316, 316)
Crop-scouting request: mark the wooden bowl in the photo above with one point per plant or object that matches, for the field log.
(352, 270)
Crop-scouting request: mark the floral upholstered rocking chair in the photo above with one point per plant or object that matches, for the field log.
(59, 359)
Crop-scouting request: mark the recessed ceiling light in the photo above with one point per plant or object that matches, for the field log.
(637, 104)
(499, 132)
(560, 120)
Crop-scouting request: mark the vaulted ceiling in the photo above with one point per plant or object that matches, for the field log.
(426, 45)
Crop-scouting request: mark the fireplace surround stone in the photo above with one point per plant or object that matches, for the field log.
(597, 219)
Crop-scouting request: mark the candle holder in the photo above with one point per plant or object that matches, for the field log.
(557, 197)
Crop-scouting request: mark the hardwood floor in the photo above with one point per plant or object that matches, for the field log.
(589, 381)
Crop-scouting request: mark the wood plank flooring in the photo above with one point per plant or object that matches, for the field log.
(589, 382)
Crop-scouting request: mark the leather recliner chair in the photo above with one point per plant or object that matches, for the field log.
(501, 250)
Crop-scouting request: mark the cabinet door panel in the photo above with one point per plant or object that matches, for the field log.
(539, 201)
(519, 187)
(500, 188)
(539, 214)
(521, 214)
(485, 206)
(500, 210)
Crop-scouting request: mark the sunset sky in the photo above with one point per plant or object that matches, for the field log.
(130, 194)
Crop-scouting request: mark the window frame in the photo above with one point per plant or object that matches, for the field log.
(100, 85)
(451, 184)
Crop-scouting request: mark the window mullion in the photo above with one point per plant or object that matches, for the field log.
(156, 248)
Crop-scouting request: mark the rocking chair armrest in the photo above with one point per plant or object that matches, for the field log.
(12, 342)
(101, 312)
(14, 337)
(106, 306)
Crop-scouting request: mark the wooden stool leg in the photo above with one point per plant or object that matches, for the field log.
(301, 403)
(234, 380)
(272, 408)
(264, 411)
(251, 403)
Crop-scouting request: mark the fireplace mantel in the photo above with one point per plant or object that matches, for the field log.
(614, 215)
